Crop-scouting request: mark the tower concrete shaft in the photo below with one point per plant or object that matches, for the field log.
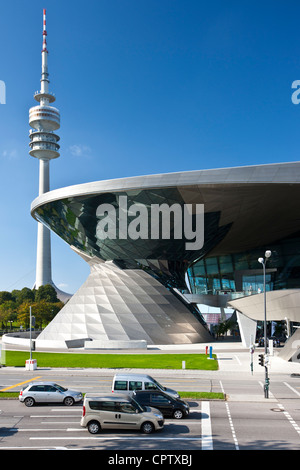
(44, 119)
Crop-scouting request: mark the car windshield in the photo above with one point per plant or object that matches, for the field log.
(159, 385)
(60, 388)
(137, 405)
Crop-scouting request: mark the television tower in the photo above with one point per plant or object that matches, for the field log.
(44, 119)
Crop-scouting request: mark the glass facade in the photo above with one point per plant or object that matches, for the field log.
(76, 221)
(241, 222)
(242, 273)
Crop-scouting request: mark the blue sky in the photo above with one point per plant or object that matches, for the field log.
(143, 87)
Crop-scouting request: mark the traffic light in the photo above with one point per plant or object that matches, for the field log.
(285, 325)
(261, 359)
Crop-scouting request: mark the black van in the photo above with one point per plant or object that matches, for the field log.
(169, 406)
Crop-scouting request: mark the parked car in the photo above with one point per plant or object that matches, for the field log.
(118, 412)
(169, 406)
(127, 383)
(48, 392)
(276, 341)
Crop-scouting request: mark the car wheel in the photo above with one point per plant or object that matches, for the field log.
(69, 401)
(178, 414)
(147, 427)
(94, 427)
(29, 401)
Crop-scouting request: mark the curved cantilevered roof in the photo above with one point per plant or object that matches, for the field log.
(280, 304)
(245, 207)
(281, 173)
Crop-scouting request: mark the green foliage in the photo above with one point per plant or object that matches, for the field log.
(8, 312)
(203, 395)
(185, 395)
(143, 361)
(47, 293)
(15, 306)
(5, 296)
(23, 295)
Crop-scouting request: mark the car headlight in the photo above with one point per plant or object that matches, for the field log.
(158, 415)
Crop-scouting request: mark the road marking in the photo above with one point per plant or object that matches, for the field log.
(58, 422)
(290, 419)
(232, 428)
(53, 416)
(34, 430)
(116, 438)
(207, 443)
(34, 447)
(222, 388)
(20, 383)
(238, 360)
(79, 410)
(262, 386)
(289, 386)
(230, 421)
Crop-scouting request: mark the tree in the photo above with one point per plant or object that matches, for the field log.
(5, 296)
(224, 326)
(23, 295)
(47, 293)
(8, 312)
(43, 312)
(24, 314)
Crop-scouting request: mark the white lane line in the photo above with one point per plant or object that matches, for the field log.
(53, 416)
(230, 421)
(116, 438)
(222, 388)
(33, 448)
(72, 410)
(35, 430)
(262, 386)
(290, 419)
(289, 386)
(238, 360)
(58, 422)
(232, 427)
(207, 442)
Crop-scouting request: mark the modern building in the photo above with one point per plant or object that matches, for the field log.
(165, 250)
(150, 288)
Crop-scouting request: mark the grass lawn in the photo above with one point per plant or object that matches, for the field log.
(110, 361)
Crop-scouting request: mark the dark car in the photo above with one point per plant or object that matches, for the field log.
(169, 406)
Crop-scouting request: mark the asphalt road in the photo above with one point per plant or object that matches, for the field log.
(245, 421)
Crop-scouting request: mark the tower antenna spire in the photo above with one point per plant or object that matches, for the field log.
(44, 120)
(44, 32)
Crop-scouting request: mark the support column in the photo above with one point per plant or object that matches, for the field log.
(247, 329)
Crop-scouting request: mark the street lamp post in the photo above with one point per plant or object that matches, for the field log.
(263, 261)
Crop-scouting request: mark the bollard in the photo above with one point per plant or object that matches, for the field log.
(206, 350)
(210, 353)
(183, 364)
(30, 364)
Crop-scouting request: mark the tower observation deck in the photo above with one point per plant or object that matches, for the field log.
(44, 119)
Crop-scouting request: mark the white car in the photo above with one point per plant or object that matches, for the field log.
(48, 392)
